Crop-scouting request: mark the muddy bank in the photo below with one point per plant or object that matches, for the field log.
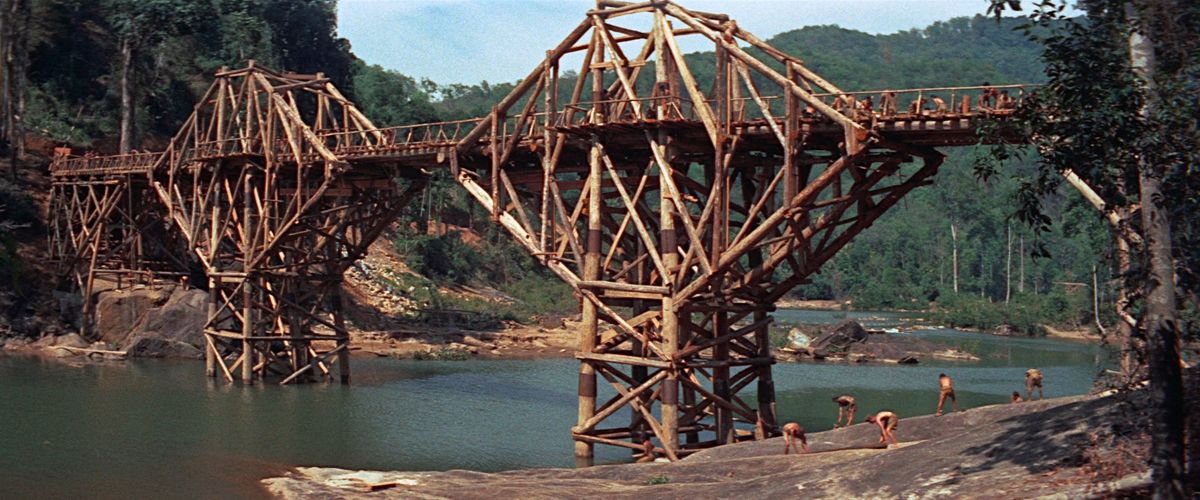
(1000, 451)
(419, 341)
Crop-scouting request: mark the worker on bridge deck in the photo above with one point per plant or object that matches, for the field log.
(917, 106)
(939, 105)
(987, 98)
(887, 103)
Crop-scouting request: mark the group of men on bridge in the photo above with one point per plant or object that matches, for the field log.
(989, 100)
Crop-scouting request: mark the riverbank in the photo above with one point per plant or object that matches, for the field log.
(1038, 448)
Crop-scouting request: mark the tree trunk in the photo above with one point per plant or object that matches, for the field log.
(1008, 268)
(126, 96)
(1163, 350)
(5, 35)
(954, 239)
(7, 62)
(982, 272)
(1131, 348)
(1021, 281)
(1096, 302)
(19, 25)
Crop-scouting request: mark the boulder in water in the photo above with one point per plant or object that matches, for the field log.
(1006, 330)
(162, 322)
(839, 338)
(798, 339)
(157, 347)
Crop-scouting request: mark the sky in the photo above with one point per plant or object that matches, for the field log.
(469, 41)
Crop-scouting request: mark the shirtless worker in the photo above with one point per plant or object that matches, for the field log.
(846, 406)
(939, 105)
(886, 421)
(947, 391)
(793, 432)
(1033, 378)
(647, 454)
(887, 103)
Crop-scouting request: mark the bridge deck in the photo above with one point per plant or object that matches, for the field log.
(424, 144)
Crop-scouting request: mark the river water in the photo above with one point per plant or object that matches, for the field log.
(160, 429)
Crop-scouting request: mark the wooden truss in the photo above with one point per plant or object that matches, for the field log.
(103, 232)
(260, 203)
(679, 211)
(275, 217)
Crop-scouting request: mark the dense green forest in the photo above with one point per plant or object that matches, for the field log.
(90, 66)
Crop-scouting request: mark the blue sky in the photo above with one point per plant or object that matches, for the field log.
(468, 41)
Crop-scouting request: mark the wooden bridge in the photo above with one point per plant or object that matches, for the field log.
(678, 210)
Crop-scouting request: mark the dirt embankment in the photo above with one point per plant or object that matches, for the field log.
(1063, 447)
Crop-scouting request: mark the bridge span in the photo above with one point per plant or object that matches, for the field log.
(678, 210)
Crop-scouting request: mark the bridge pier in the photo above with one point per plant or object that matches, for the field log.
(273, 187)
(630, 199)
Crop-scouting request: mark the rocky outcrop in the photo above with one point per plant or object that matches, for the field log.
(120, 312)
(840, 338)
(153, 322)
(1001, 451)
(849, 341)
(148, 346)
(1006, 330)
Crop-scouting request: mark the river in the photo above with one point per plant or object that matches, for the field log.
(160, 429)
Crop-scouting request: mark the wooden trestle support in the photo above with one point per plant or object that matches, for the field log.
(102, 232)
(679, 213)
(263, 205)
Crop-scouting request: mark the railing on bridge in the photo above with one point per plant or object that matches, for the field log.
(64, 164)
(868, 107)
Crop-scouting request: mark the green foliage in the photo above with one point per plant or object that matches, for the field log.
(660, 479)
(442, 354)
(443, 257)
(76, 60)
(17, 212)
(1026, 313)
(391, 98)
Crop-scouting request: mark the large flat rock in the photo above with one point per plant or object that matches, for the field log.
(999, 451)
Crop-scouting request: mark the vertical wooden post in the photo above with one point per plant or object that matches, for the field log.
(591, 271)
(667, 248)
(791, 131)
(494, 138)
(210, 356)
(720, 379)
(247, 281)
(637, 423)
(766, 384)
(343, 343)
(551, 105)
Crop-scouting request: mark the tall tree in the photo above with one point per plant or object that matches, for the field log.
(14, 63)
(1119, 110)
(141, 25)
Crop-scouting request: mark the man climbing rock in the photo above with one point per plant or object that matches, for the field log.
(793, 433)
(887, 422)
(846, 406)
